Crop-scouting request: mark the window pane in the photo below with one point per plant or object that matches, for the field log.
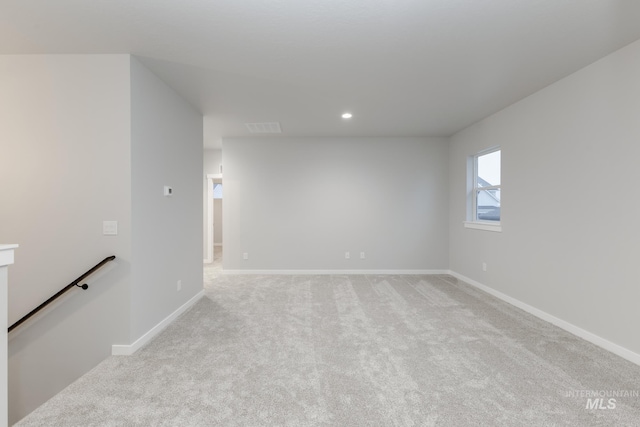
(217, 191)
(489, 169)
(488, 208)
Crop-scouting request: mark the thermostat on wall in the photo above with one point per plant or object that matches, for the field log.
(168, 191)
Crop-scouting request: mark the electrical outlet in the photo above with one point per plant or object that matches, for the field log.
(484, 266)
(361, 255)
(179, 287)
(347, 255)
(245, 256)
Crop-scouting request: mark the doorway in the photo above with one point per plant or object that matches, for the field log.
(214, 220)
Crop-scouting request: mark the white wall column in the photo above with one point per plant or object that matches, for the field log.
(6, 259)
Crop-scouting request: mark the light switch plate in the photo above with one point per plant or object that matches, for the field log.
(110, 228)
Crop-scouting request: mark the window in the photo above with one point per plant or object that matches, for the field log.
(217, 191)
(484, 197)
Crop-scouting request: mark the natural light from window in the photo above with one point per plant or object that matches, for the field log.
(487, 188)
(484, 182)
(217, 191)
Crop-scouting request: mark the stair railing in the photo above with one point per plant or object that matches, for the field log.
(63, 290)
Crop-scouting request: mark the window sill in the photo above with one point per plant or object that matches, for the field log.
(486, 226)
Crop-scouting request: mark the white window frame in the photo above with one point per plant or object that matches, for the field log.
(472, 194)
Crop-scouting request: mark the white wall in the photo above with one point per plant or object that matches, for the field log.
(301, 203)
(167, 233)
(217, 225)
(64, 168)
(570, 202)
(212, 161)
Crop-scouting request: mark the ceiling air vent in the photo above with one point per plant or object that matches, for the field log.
(271, 127)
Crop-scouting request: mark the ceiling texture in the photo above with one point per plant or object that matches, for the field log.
(402, 67)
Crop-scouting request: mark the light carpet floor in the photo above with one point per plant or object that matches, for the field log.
(352, 351)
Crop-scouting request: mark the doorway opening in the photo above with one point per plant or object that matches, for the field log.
(214, 220)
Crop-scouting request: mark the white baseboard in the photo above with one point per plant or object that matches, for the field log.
(623, 352)
(128, 350)
(332, 272)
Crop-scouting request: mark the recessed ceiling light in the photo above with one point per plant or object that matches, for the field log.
(347, 115)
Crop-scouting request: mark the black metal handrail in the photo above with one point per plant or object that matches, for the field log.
(63, 290)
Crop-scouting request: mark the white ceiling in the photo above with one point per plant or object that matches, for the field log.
(402, 67)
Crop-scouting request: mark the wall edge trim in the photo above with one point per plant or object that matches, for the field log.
(603, 343)
(331, 272)
(128, 350)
